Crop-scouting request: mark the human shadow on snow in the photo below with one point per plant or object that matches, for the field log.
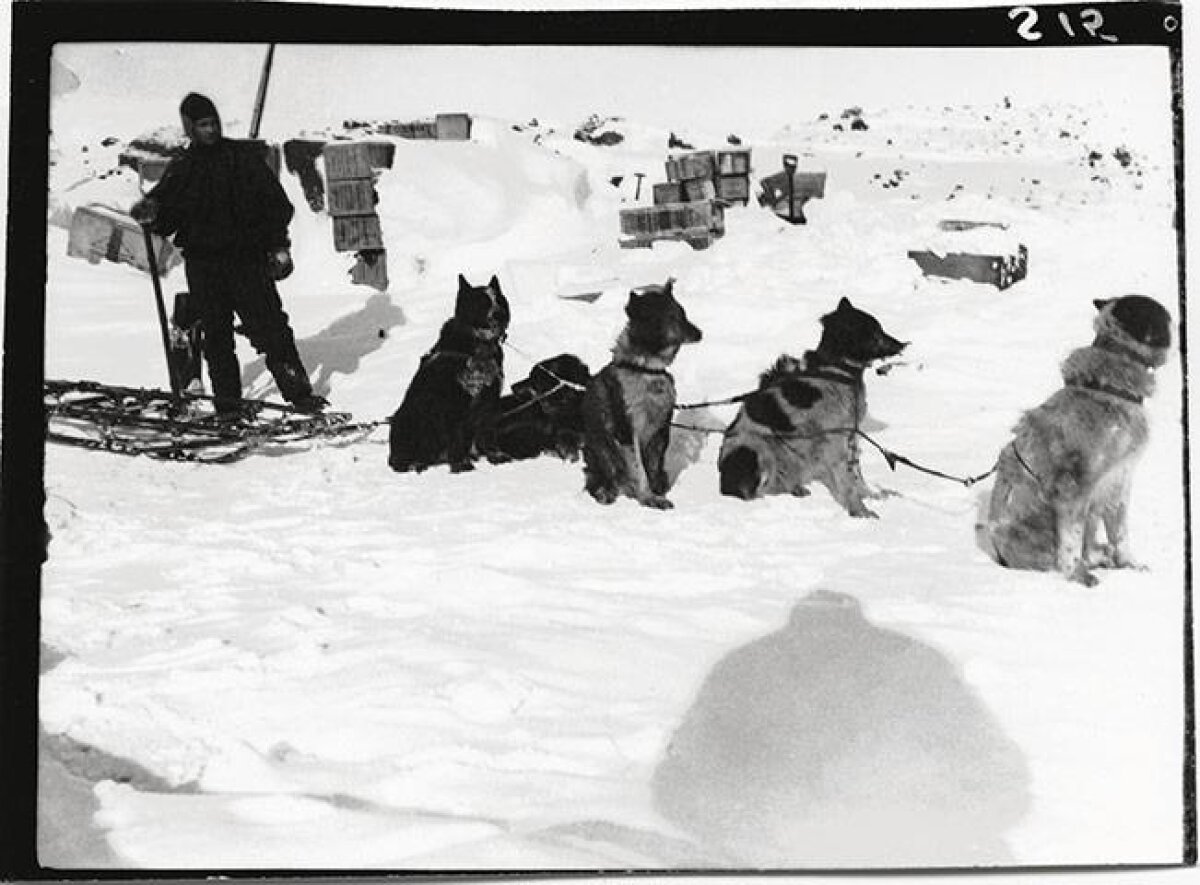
(835, 743)
(340, 347)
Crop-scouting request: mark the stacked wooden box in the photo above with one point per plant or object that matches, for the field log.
(690, 204)
(733, 176)
(350, 172)
(102, 234)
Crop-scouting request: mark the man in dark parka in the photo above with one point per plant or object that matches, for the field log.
(229, 216)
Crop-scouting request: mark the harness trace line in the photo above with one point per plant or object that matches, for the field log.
(892, 458)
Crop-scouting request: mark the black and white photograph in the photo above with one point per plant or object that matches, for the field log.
(596, 441)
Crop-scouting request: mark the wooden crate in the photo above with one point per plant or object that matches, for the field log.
(686, 167)
(733, 162)
(419, 129)
(102, 234)
(699, 189)
(352, 196)
(370, 269)
(1000, 271)
(697, 223)
(353, 233)
(453, 127)
(733, 188)
(668, 192)
(347, 159)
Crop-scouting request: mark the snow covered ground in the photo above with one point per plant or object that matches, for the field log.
(328, 665)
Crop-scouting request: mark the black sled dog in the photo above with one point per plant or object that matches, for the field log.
(798, 426)
(1069, 465)
(628, 405)
(454, 393)
(542, 414)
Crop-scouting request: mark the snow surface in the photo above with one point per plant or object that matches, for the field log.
(342, 667)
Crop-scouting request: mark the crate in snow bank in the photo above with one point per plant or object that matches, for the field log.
(352, 233)
(1000, 271)
(356, 159)
(696, 223)
(370, 269)
(981, 251)
(773, 190)
(351, 196)
(102, 234)
(733, 162)
(687, 167)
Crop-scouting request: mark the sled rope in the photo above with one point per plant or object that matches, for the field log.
(892, 458)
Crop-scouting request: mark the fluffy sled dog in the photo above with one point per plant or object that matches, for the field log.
(456, 387)
(628, 405)
(542, 414)
(1069, 464)
(797, 427)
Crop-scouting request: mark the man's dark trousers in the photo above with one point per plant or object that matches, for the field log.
(223, 286)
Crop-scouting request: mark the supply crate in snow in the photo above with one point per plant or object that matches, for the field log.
(733, 188)
(733, 162)
(353, 233)
(99, 233)
(352, 196)
(356, 159)
(453, 127)
(370, 269)
(982, 251)
(668, 192)
(773, 190)
(686, 167)
(696, 223)
(1000, 271)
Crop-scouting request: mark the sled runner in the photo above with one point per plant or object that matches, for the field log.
(158, 424)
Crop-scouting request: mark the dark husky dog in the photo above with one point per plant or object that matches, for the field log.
(456, 387)
(628, 405)
(1069, 465)
(542, 414)
(798, 427)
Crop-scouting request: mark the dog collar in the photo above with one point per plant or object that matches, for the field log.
(638, 367)
(1111, 391)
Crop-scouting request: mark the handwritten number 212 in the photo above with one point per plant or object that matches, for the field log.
(1091, 20)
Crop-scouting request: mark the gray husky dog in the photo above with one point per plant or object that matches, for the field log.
(1068, 467)
(628, 405)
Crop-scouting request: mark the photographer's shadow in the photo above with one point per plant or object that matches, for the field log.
(834, 743)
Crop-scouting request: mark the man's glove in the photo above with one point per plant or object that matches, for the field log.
(144, 211)
(279, 264)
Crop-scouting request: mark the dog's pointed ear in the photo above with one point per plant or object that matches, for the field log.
(845, 304)
(462, 283)
(494, 284)
(1101, 303)
(669, 286)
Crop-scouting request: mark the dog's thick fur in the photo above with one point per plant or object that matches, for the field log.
(456, 387)
(1068, 467)
(798, 427)
(628, 405)
(542, 414)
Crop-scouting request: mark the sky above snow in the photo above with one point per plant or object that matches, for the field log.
(751, 89)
